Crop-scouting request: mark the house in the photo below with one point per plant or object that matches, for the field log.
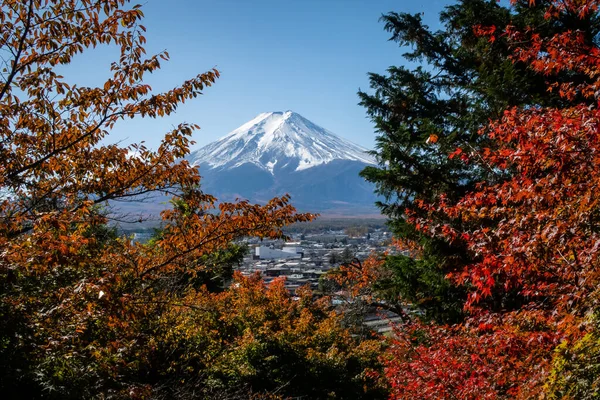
(288, 251)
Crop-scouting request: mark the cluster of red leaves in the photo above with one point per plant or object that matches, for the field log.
(534, 233)
(463, 362)
(357, 278)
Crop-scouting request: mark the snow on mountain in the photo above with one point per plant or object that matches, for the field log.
(278, 140)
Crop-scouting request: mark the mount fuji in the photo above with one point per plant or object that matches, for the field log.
(282, 152)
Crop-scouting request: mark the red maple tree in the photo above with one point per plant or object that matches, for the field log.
(533, 232)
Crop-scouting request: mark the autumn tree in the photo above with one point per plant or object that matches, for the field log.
(530, 235)
(259, 338)
(422, 114)
(86, 313)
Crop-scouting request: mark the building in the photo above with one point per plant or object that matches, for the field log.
(290, 250)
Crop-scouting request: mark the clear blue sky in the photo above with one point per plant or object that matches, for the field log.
(309, 56)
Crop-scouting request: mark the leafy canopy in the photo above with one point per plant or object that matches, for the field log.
(528, 229)
(86, 313)
(463, 79)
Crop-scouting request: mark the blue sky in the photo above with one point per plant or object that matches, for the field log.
(309, 56)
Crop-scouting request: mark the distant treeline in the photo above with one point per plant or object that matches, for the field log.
(352, 227)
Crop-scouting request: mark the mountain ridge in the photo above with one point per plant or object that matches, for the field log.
(282, 152)
(278, 140)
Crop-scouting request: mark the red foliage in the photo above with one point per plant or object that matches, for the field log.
(542, 242)
(488, 361)
(534, 233)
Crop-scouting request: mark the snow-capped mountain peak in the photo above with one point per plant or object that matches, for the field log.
(275, 140)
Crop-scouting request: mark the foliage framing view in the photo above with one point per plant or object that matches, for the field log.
(87, 314)
(489, 162)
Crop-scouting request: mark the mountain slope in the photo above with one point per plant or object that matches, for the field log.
(279, 140)
(283, 152)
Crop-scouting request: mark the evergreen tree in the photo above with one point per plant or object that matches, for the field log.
(463, 79)
(347, 255)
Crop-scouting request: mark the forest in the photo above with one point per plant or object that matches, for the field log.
(488, 150)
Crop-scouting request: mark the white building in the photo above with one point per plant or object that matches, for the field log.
(287, 252)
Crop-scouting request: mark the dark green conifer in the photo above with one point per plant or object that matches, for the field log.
(424, 113)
